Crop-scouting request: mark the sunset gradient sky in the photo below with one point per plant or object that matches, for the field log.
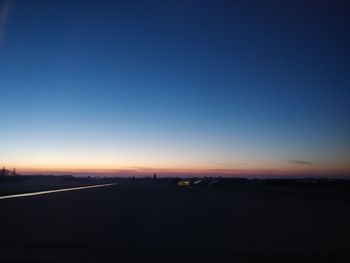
(176, 87)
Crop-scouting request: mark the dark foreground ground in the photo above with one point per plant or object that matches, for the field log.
(162, 222)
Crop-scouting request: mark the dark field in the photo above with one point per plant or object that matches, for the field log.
(160, 221)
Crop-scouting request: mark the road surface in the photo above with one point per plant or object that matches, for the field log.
(166, 223)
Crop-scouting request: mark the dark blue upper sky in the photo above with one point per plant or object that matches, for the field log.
(214, 84)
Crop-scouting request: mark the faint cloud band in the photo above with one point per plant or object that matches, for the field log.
(300, 162)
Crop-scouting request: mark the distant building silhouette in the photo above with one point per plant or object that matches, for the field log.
(154, 176)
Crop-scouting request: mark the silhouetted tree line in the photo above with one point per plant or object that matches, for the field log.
(5, 172)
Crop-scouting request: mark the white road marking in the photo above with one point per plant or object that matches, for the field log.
(53, 191)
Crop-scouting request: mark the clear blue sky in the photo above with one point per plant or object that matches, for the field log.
(178, 85)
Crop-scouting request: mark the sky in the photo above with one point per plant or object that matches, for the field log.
(175, 87)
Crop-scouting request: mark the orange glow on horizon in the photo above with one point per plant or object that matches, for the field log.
(190, 171)
(108, 166)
